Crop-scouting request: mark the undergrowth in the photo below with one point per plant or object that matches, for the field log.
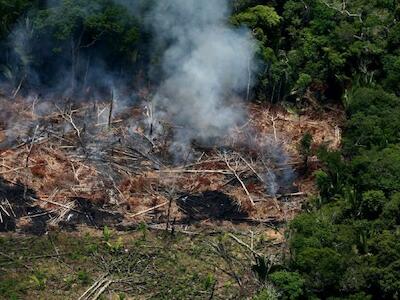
(140, 264)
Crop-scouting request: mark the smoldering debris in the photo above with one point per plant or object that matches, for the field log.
(88, 213)
(16, 204)
(210, 205)
(119, 153)
(121, 170)
(20, 210)
(206, 63)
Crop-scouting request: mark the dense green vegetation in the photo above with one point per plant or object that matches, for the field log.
(316, 50)
(347, 243)
(45, 44)
(310, 51)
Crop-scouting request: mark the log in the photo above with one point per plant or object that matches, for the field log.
(241, 182)
(56, 203)
(224, 172)
(31, 146)
(102, 289)
(20, 168)
(148, 210)
(99, 282)
(251, 168)
(239, 241)
(292, 195)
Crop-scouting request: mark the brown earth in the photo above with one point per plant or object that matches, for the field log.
(95, 174)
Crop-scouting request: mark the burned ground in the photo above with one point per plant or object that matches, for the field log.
(20, 211)
(84, 167)
(17, 203)
(89, 214)
(210, 205)
(200, 221)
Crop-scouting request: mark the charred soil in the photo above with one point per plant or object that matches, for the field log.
(69, 166)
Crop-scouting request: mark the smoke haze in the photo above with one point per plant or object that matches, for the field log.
(199, 68)
(205, 62)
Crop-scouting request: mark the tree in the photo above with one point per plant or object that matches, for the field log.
(10, 12)
(305, 148)
(260, 16)
(378, 170)
(264, 21)
(391, 211)
(289, 284)
(67, 36)
(333, 177)
(370, 101)
(372, 204)
(321, 267)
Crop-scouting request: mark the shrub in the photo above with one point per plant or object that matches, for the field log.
(289, 284)
(372, 204)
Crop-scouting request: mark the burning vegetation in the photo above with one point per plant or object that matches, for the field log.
(177, 144)
(91, 164)
(184, 148)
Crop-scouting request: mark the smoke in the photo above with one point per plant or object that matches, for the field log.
(272, 185)
(205, 63)
(281, 177)
(16, 59)
(198, 61)
(69, 50)
(200, 66)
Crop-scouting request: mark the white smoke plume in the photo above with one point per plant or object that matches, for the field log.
(206, 62)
